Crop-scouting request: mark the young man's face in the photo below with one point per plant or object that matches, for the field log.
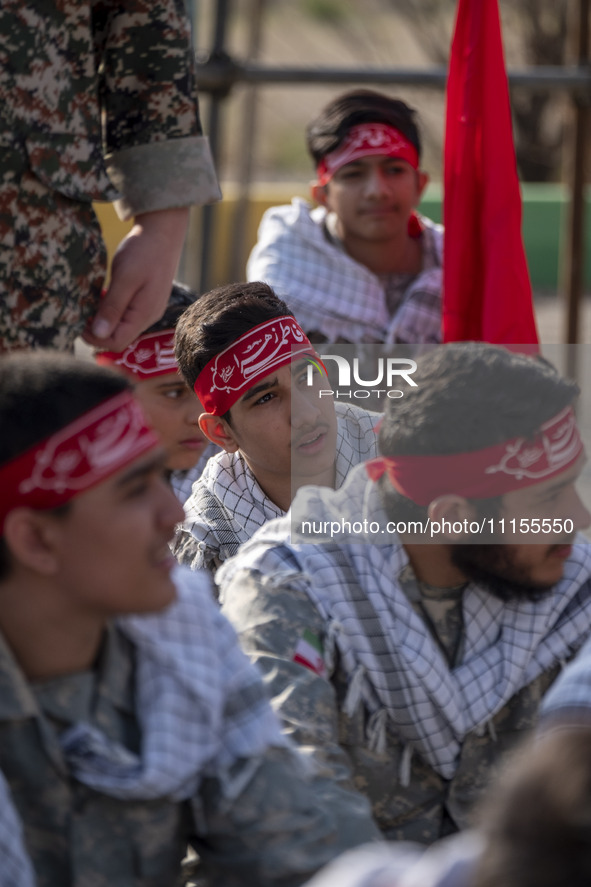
(173, 411)
(373, 198)
(535, 560)
(113, 543)
(284, 429)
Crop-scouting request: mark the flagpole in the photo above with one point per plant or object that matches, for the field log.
(575, 228)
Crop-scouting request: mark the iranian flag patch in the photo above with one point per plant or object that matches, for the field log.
(308, 653)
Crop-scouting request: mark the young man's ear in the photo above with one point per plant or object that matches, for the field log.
(319, 193)
(422, 182)
(29, 537)
(218, 432)
(449, 513)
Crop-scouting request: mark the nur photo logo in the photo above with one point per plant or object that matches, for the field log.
(376, 372)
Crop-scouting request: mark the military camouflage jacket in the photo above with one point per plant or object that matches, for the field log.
(99, 99)
(273, 622)
(307, 613)
(568, 703)
(259, 822)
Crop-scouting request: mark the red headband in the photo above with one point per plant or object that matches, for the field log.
(365, 140)
(76, 458)
(253, 356)
(485, 473)
(148, 356)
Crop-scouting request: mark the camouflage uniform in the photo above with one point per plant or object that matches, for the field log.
(270, 593)
(255, 821)
(98, 103)
(568, 703)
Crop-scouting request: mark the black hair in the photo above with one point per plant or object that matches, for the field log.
(330, 128)
(181, 297)
(219, 318)
(536, 819)
(41, 392)
(469, 395)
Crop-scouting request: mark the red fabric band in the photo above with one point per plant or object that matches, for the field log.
(76, 458)
(489, 472)
(364, 140)
(148, 356)
(253, 356)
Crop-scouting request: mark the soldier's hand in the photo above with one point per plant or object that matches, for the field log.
(142, 272)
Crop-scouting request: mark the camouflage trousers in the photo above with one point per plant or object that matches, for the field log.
(52, 260)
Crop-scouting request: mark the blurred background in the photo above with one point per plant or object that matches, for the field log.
(254, 54)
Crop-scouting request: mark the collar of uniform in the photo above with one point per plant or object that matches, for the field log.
(79, 696)
(115, 679)
(116, 665)
(16, 699)
(68, 698)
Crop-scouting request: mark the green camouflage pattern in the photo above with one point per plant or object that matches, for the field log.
(98, 102)
(410, 801)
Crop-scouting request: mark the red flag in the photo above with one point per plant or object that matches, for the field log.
(486, 287)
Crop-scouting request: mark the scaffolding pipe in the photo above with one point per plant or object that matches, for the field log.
(216, 75)
(575, 227)
(213, 132)
(247, 139)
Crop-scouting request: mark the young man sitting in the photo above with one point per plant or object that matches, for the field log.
(362, 266)
(406, 627)
(171, 406)
(125, 737)
(250, 364)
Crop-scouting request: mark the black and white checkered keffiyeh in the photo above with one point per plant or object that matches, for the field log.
(188, 664)
(182, 481)
(201, 707)
(331, 293)
(228, 506)
(395, 666)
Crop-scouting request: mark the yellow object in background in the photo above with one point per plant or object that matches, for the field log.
(114, 230)
(544, 207)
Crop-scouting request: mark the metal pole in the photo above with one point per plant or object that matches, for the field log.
(575, 228)
(213, 131)
(219, 74)
(245, 163)
(579, 34)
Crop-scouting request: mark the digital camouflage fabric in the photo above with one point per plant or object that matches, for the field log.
(98, 103)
